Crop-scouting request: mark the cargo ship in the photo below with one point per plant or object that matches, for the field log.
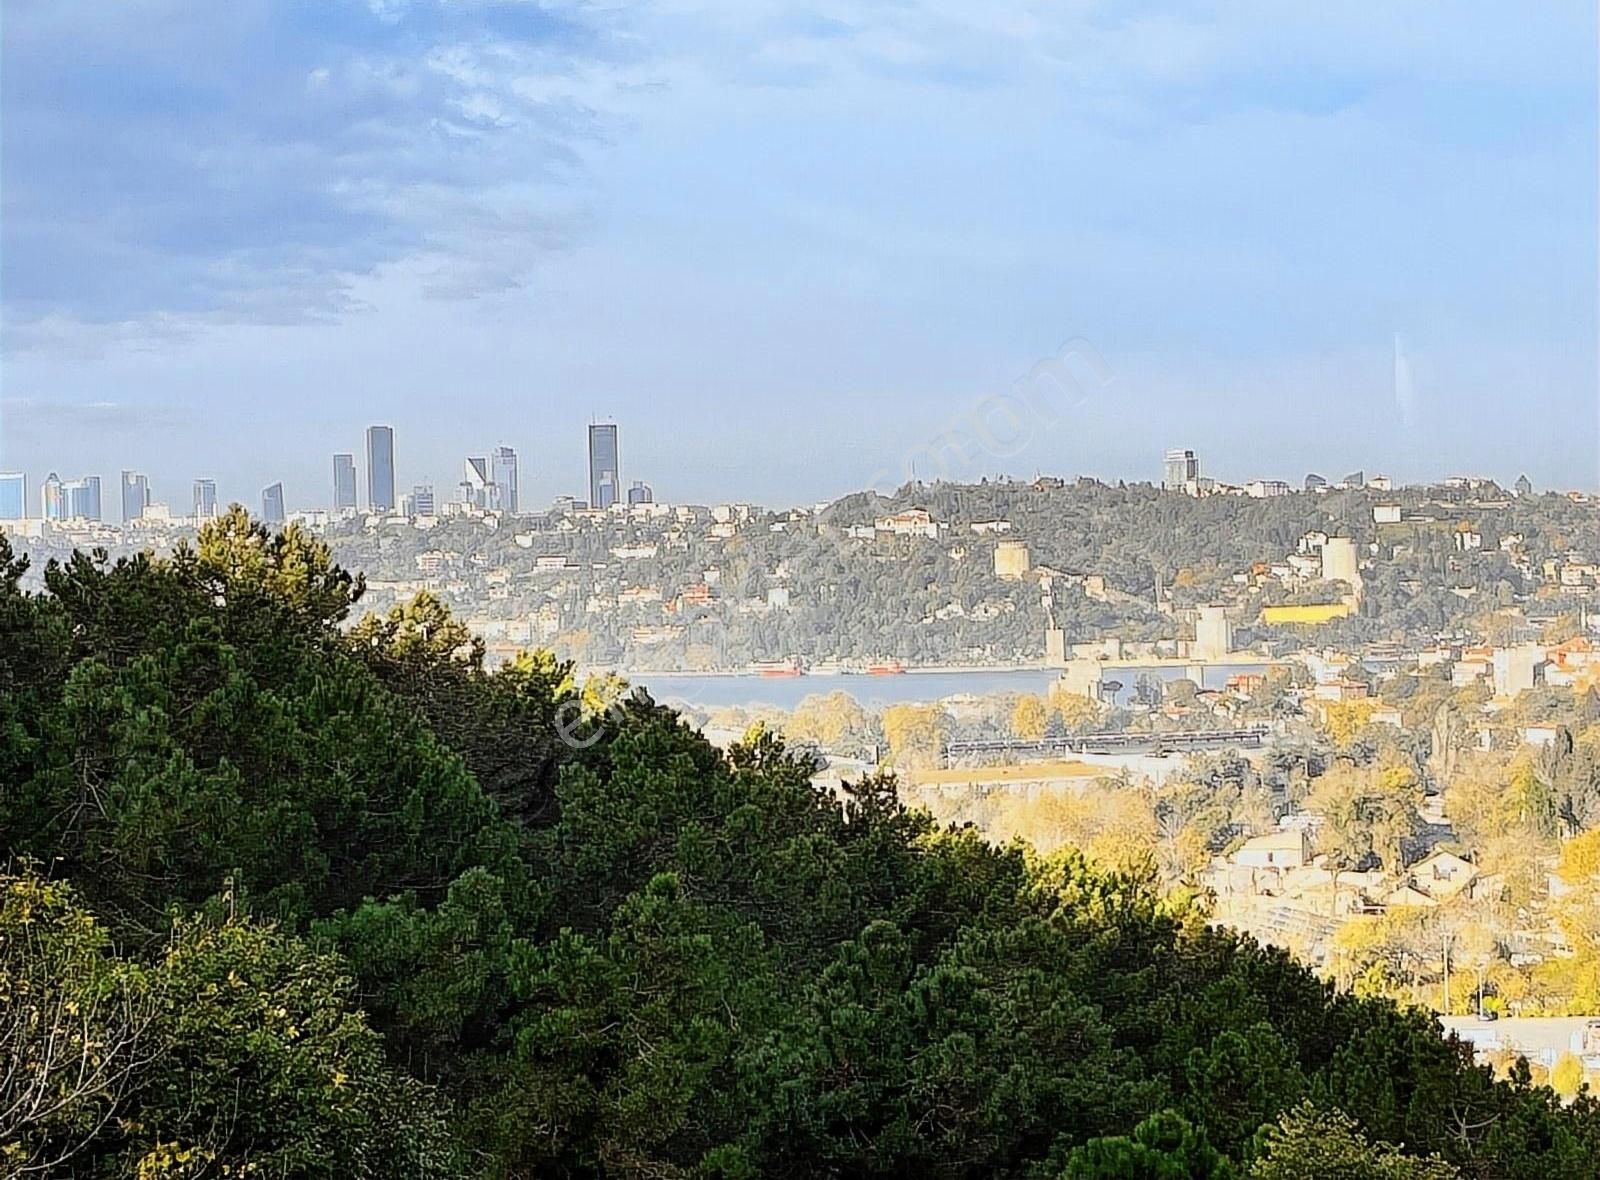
(777, 669)
(885, 668)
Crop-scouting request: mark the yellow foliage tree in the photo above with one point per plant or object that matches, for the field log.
(832, 720)
(1342, 720)
(1029, 718)
(915, 734)
(1566, 1077)
(1074, 708)
(1580, 858)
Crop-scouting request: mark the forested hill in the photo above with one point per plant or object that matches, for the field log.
(293, 899)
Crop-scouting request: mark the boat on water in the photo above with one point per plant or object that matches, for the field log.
(827, 668)
(777, 669)
(886, 668)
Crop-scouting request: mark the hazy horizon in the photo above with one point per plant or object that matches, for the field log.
(786, 252)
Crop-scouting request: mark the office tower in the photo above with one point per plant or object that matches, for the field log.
(475, 482)
(13, 495)
(272, 504)
(344, 483)
(82, 498)
(1181, 469)
(604, 469)
(380, 469)
(421, 501)
(53, 500)
(503, 473)
(205, 499)
(135, 496)
(640, 493)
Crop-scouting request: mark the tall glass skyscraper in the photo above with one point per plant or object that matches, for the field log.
(503, 471)
(605, 473)
(380, 469)
(13, 495)
(344, 483)
(82, 498)
(52, 499)
(135, 495)
(272, 504)
(205, 499)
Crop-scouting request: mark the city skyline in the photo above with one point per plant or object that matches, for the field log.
(1173, 469)
(1319, 239)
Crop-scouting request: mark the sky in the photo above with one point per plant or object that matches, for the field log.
(797, 250)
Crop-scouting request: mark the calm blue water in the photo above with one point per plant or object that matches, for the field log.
(715, 692)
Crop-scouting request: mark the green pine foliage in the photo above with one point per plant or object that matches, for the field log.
(331, 898)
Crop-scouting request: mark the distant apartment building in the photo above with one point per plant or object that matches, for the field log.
(913, 522)
(503, 474)
(135, 496)
(1181, 471)
(13, 495)
(1213, 634)
(1340, 561)
(421, 501)
(1386, 513)
(604, 465)
(1262, 489)
(344, 482)
(205, 499)
(640, 493)
(272, 504)
(82, 498)
(1012, 559)
(380, 469)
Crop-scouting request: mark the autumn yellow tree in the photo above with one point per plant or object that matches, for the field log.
(1029, 718)
(915, 734)
(835, 721)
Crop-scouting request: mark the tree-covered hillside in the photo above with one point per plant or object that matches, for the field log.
(292, 898)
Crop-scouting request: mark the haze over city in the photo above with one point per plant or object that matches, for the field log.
(786, 250)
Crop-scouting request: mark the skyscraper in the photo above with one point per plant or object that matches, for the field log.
(13, 495)
(640, 493)
(380, 469)
(205, 499)
(1180, 469)
(135, 496)
(475, 482)
(344, 483)
(503, 473)
(52, 500)
(605, 472)
(82, 498)
(272, 504)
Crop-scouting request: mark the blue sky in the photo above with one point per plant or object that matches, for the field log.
(797, 249)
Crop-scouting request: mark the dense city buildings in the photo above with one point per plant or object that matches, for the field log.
(604, 467)
(13, 495)
(135, 496)
(272, 504)
(380, 469)
(205, 499)
(344, 482)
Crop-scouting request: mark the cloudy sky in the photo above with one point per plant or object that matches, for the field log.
(797, 249)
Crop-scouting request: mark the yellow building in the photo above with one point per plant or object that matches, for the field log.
(1011, 559)
(1305, 615)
